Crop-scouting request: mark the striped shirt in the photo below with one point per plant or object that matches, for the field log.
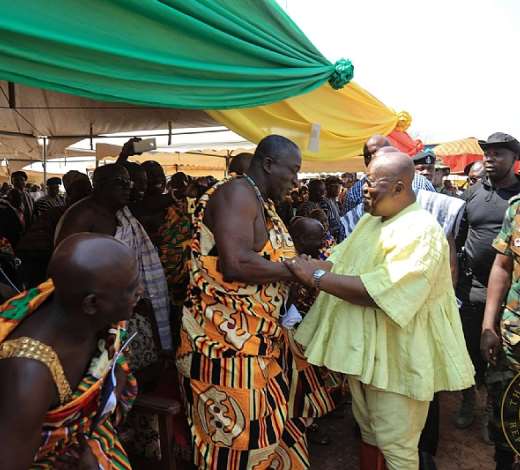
(351, 218)
(355, 195)
(45, 203)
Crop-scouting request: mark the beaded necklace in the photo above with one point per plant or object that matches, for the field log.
(258, 196)
(278, 226)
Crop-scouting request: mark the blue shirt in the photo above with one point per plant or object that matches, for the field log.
(355, 195)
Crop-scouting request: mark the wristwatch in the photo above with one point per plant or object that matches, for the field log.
(317, 275)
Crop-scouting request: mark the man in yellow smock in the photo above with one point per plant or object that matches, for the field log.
(387, 316)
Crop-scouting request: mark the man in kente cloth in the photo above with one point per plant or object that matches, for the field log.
(248, 394)
(387, 316)
(106, 211)
(58, 343)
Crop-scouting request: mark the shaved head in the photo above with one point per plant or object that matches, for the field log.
(477, 166)
(307, 234)
(96, 274)
(394, 165)
(306, 225)
(275, 166)
(388, 188)
(386, 149)
(240, 163)
(372, 145)
(476, 172)
(276, 147)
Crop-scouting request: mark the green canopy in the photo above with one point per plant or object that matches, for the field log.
(206, 54)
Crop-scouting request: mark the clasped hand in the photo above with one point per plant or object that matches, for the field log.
(303, 267)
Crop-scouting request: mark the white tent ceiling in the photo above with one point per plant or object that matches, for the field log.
(28, 113)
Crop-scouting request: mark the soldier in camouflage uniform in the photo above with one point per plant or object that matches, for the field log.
(500, 341)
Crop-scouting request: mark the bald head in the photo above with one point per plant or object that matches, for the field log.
(307, 234)
(386, 149)
(96, 275)
(240, 163)
(388, 189)
(372, 145)
(476, 172)
(394, 165)
(305, 225)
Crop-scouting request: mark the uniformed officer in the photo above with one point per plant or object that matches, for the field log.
(425, 163)
(500, 340)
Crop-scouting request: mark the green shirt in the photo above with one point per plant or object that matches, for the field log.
(507, 243)
(413, 343)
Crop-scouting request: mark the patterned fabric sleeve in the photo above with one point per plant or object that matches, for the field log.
(503, 239)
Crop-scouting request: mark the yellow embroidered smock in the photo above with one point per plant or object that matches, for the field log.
(413, 343)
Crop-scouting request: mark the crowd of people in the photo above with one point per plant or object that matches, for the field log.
(278, 298)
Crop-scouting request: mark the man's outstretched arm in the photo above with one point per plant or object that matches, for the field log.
(349, 288)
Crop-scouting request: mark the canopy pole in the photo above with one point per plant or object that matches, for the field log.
(45, 159)
(228, 158)
(169, 132)
(11, 95)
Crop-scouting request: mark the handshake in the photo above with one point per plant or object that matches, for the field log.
(306, 269)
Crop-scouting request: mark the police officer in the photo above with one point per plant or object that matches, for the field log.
(425, 164)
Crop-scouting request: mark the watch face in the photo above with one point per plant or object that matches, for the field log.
(318, 273)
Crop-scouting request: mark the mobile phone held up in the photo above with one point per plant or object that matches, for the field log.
(145, 145)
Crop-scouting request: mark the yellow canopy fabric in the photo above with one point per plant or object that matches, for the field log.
(327, 124)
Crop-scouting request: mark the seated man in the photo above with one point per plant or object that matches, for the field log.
(387, 316)
(106, 211)
(54, 368)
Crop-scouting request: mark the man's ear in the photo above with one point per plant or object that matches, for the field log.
(89, 304)
(267, 164)
(399, 187)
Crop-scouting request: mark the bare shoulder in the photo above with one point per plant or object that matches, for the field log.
(234, 191)
(233, 198)
(80, 217)
(27, 393)
(28, 383)
(85, 207)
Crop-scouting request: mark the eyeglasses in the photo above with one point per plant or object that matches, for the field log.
(374, 182)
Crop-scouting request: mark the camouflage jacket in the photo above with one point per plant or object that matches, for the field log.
(507, 243)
